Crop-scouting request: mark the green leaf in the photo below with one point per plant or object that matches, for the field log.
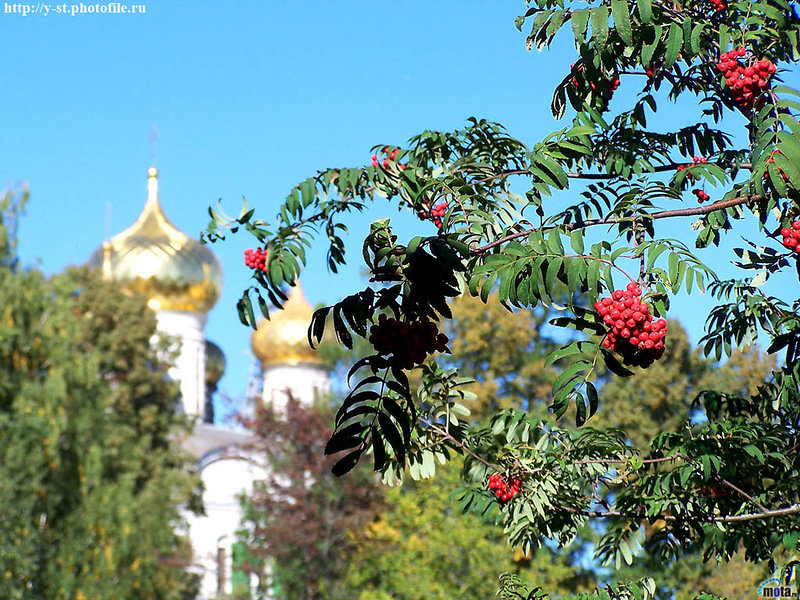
(346, 464)
(576, 241)
(672, 267)
(645, 10)
(591, 396)
(392, 435)
(580, 19)
(570, 373)
(674, 43)
(614, 365)
(724, 38)
(599, 26)
(622, 20)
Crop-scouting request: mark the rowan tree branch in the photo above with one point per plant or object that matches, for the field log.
(744, 494)
(664, 214)
(767, 514)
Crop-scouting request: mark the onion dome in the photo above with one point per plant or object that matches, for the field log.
(154, 258)
(215, 363)
(283, 339)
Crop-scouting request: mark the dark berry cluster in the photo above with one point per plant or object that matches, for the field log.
(791, 237)
(745, 82)
(717, 491)
(256, 259)
(632, 331)
(504, 490)
(388, 162)
(408, 343)
(701, 195)
(605, 88)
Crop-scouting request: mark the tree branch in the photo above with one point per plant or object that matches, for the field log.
(448, 436)
(766, 514)
(664, 214)
(744, 494)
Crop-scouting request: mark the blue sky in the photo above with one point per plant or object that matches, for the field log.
(249, 98)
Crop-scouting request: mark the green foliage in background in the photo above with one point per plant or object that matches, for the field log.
(91, 479)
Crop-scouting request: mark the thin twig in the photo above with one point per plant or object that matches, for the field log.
(448, 436)
(610, 461)
(767, 514)
(742, 493)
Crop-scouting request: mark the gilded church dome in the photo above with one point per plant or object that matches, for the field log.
(174, 271)
(283, 339)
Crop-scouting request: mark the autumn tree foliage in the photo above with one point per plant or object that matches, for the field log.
(297, 521)
(585, 209)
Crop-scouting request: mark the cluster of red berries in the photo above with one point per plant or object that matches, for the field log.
(504, 490)
(696, 160)
(791, 237)
(701, 196)
(745, 82)
(387, 162)
(407, 342)
(611, 84)
(435, 214)
(256, 259)
(719, 5)
(633, 332)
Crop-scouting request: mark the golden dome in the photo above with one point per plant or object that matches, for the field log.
(215, 362)
(174, 271)
(283, 339)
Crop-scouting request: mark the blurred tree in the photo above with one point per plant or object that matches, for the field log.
(504, 352)
(420, 548)
(91, 481)
(297, 520)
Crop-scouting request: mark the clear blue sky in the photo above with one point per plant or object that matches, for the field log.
(249, 98)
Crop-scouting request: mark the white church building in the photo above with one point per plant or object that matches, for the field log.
(182, 280)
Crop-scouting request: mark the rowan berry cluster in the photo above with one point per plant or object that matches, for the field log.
(435, 214)
(719, 5)
(696, 160)
(256, 259)
(388, 161)
(633, 332)
(504, 490)
(791, 237)
(408, 343)
(701, 195)
(746, 82)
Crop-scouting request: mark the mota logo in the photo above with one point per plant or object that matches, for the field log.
(772, 588)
